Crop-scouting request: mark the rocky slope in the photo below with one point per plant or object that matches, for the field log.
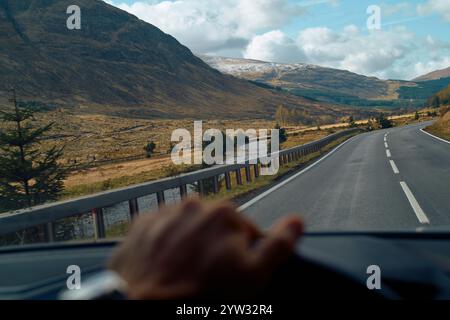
(307, 77)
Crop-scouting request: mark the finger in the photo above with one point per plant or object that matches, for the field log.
(278, 245)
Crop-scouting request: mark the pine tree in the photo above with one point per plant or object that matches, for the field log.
(28, 175)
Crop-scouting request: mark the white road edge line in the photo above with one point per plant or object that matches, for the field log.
(278, 186)
(423, 219)
(394, 167)
(388, 153)
(432, 135)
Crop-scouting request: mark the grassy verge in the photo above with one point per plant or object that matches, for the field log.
(441, 128)
(438, 132)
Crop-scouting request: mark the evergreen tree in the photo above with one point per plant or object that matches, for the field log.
(28, 175)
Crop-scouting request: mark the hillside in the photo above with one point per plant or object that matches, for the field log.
(441, 127)
(119, 65)
(444, 96)
(435, 75)
(302, 76)
(331, 85)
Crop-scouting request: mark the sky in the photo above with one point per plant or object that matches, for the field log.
(412, 39)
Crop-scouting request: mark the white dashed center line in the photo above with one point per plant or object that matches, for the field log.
(386, 145)
(414, 204)
(394, 167)
(388, 153)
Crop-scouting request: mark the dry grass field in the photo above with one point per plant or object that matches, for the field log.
(442, 127)
(94, 137)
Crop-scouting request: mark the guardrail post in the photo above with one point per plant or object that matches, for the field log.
(160, 198)
(256, 170)
(238, 177)
(134, 207)
(99, 223)
(201, 188)
(183, 191)
(216, 184)
(228, 180)
(280, 159)
(248, 176)
(49, 232)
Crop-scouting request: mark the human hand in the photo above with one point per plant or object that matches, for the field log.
(198, 250)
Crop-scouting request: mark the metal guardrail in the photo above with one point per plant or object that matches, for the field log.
(49, 213)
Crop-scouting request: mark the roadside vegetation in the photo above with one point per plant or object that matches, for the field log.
(441, 128)
(440, 102)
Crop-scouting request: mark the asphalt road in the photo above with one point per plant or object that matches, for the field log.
(357, 188)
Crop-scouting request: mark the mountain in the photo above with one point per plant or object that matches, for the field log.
(305, 77)
(435, 75)
(117, 64)
(331, 85)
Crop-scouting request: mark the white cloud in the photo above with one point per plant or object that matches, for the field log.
(441, 7)
(208, 26)
(372, 53)
(274, 46)
(251, 28)
(395, 53)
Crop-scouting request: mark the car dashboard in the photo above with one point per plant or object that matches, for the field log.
(326, 266)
